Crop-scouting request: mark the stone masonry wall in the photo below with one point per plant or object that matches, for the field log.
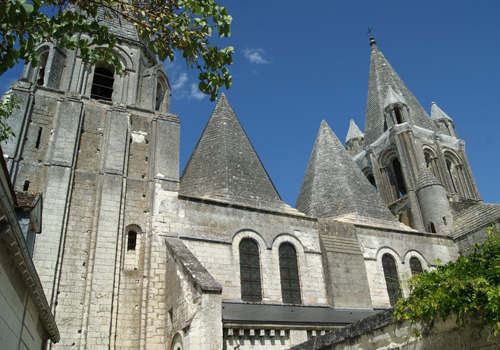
(381, 331)
(402, 246)
(20, 324)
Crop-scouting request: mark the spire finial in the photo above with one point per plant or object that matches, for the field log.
(372, 40)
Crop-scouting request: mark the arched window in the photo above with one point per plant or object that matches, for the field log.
(131, 240)
(250, 271)
(42, 64)
(102, 85)
(415, 266)
(400, 183)
(391, 278)
(160, 93)
(397, 113)
(371, 179)
(289, 272)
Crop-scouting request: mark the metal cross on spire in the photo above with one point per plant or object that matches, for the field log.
(369, 31)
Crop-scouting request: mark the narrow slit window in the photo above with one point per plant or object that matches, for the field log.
(400, 183)
(431, 228)
(391, 278)
(160, 92)
(102, 85)
(251, 289)
(131, 240)
(415, 266)
(26, 185)
(39, 137)
(289, 273)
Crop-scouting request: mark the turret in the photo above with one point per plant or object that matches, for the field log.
(395, 108)
(434, 204)
(443, 122)
(354, 139)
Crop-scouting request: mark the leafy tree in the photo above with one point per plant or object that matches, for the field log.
(467, 287)
(7, 106)
(167, 25)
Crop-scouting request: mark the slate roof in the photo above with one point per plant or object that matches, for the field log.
(288, 314)
(381, 77)
(476, 217)
(224, 165)
(426, 178)
(353, 131)
(335, 187)
(437, 113)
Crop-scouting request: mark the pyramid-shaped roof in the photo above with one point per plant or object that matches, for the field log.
(353, 131)
(437, 113)
(224, 165)
(334, 186)
(382, 77)
(393, 97)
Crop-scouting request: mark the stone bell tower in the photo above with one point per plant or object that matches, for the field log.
(400, 137)
(96, 144)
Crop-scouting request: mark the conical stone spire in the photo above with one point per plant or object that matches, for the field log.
(426, 178)
(382, 77)
(334, 186)
(353, 132)
(225, 167)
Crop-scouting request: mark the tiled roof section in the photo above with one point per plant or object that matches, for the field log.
(334, 186)
(353, 132)
(426, 178)
(224, 165)
(27, 199)
(290, 314)
(437, 113)
(393, 97)
(476, 217)
(382, 76)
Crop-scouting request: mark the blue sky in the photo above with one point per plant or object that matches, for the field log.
(298, 63)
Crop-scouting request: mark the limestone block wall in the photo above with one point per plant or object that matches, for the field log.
(401, 245)
(213, 230)
(20, 324)
(222, 261)
(381, 331)
(193, 300)
(267, 339)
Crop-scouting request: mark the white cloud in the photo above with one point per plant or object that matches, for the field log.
(255, 55)
(195, 93)
(180, 81)
(181, 87)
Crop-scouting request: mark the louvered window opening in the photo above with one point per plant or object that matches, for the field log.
(391, 278)
(289, 272)
(251, 289)
(415, 266)
(102, 85)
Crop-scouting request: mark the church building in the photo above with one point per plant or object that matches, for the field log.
(135, 255)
